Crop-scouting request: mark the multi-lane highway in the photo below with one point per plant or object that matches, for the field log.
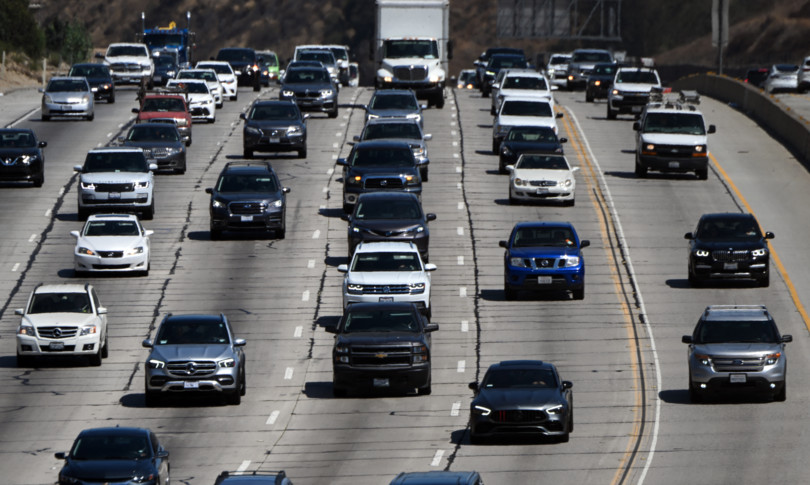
(620, 345)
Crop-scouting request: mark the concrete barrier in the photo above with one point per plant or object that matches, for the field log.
(774, 116)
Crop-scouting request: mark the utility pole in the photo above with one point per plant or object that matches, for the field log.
(720, 29)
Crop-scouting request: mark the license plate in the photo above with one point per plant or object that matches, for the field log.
(379, 382)
(247, 218)
(386, 298)
(544, 280)
(730, 266)
(636, 109)
(674, 164)
(273, 140)
(151, 160)
(542, 190)
(114, 195)
(191, 385)
(57, 346)
(737, 378)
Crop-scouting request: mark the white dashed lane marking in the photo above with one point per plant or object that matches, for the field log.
(272, 418)
(465, 326)
(437, 458)
(454, 411)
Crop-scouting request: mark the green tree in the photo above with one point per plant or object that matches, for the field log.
(19, 29)
(77, 44)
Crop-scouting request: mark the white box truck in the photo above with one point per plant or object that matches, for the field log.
(412, 46)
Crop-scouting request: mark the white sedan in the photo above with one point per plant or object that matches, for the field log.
(201, 103)
(112, 243)
(542, 176)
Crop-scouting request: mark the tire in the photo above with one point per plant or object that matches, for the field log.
(475, 439)
(105, 349)
(146, 271)
(611, 115)
(83, 214)
(509, 292)
(348, 208)
(702, 174)
(95, 359)
(495, 146)
(579, 293)
(213, 120)
(234, 97)
(425, 391)
(641, 171)
(339, 391)
(181, 170)
(302, 153)
(215, 234)
(151, 399)
(149, 213)
(282, 233)
(588, 97)
(235, 398)
(439, 102)
(243, 389)
(333, 114)
(563, 438)
(247, 153)
(25, 361)
(571, 203)
(188, 143)
(423, 173)
(492, 110)
(429, 312)
(781, 394)
(46, 117)
(38, 181)
(765, 281)
(90, 117)
(694, 281)
(512, 200)
(111, 98)
(695, 397)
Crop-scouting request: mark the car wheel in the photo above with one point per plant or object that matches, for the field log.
(641, 171)
(423, 173)
(243, 387)
(425, 391)
(39, 180)
(512, 200)
(212, 120)
(571, 203)
(181, 170)
(502, 166)
(215, 234)
(492, 110)
(484, 94)
(695, 395)
(235, 397)
(149, 213)
(282, 233)
(83, 214)
(694, 281)
(702, 174)
(234, 97)
(146, 271)
(151, 399)
(765, 281)
(439, 102)
(579, 293)
(91, 117)
(105, 349)
(563, 438)
(509, 293)
(111, 98)
(333, 114)
(429, 311)
(475, 439)
(25, 361)
(339, 391)
(95, 359)
(46, 118)
(494, 146)
(247, 154)
(348, 208)
(188, 142)
(302, 153)
(588, 97)
(611, 115)
(781, 394)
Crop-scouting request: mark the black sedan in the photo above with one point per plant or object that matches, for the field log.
(389, 216)
(99, 78)
(599, 81)
(522, 139)
(115, 455)
(21, 157)
(521, 397)
(728, 246)
(274, 126)
(311, 88)
(161, 143)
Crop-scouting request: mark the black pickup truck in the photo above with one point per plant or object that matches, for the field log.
(381, 346)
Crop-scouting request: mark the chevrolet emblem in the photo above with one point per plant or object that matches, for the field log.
(381, 355)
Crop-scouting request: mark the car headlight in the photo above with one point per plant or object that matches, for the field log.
(414, 116)
(519, 182)
(26, 329)
(519, 262)
(502, 130)
(506, 151)
(47, 98)
(326, 92)
(356, 180)
(597, 83)
(354, 289)
(558, 409)
(181, 121)
(417, 288)
(700, 149)
(88, 185)
(418, 152)
(772, 359)
(68, 479)
(490, 73)
(143, 478)
(481, 410)
(277, 203)
(88, 330)
(142, 185)
(217, 204)
(703, 359)
(253, 131)
(701, 253)
(567, 183)
(227, 363)
(134, 251)
(759, 252)
(356, 230)
(287, 93)
(571, 261)
(86, 251)
(295, 130)
(388, 79)
(27, 159)
(410, 179)
(435, 78)
(649, 148)
(342, 349)
(615, 92)
(155, 364)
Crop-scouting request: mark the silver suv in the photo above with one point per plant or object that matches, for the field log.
(736, 347)
(195, 353)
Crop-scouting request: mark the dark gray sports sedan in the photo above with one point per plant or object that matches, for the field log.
(161, 143)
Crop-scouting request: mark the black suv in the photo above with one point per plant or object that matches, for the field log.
(253, 478)
(248, 196)
(274, 126)
(728, 246)
(379, 165)
(246, 65)
(381, 346)
(21, 156)
(389, 216)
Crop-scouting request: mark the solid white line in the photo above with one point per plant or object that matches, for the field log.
(462, 364)
(15, 267)
(437, 458)
(32, 238)
(461, 260)
(244, 466)
(272, 418)
(639, 297)
(288, 373)
(465, 326)
(299, 330)
(455, 409)
(316, 234)
(311, 263)
(109, 135)
(305, 296)
(462, 292)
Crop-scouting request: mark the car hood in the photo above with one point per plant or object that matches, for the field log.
(738, 349)
(386, 277)
(729, 245)
(518, 398)
(391, 112)
(111, 243)
(154, 144)
(115, 177)
(148, 115)
(600, 77)
(191, 351)
(390, 64)
(541, 174)
(61, 319)
(200, 98)
(543, 252)
(525, 93)
(522, 146)
(311, 87)
(391, 171)
(388, 225)
(274, 124)
(511, 120)
(248, 196)
(635, 87)
(371, 338)
(112, 470)
(74, 97)
(137, 59)
(673, 139)
(16, 152)
(414, 143)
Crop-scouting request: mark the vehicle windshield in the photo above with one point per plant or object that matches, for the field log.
(519, 379)
(339, 53)
(604, 70)
(394, 101)
(399, 209)
(559, 60)
(204, 75)
(192, 87)
(392, 130)
(127, 50)
(165, 133)
(542, 162)
(531, 237)
(532, 134)
(526, 108)
(517, 82)
(236, 55)
(218, 68)
(789, 68)
(403, 48)
(192, 332)
(113, 447)
(382, 157)
(386, 261)
(234, 183)
(263, 112)
(159, 40)
(164, 61)
(60, 303)
(163, 104)
(682, 123)
(115, 162)
(16, 139)
(729, 230)
(67, 86)
(641, 77)
(591, 57)
(98, 228)
(326, 58)
(306, 76)
(357, 321)
(93, 70)
(713, 332)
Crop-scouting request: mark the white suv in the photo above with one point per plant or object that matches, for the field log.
(62, 320)
(631, 90)
(387, 271)
(129, 62)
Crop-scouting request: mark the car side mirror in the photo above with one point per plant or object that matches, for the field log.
(77, 168)
(356, 138)
(147, 343)
(503, 244)
(473, 385)
(148, 232)
(430, 216)
(584, 243)
(342, 162)
(423, 106)
(430, 267)
(75, 234)
(559, 115)
(19, 311)
(575, 169)
(687, 339)
(102, 310)
(496, 86)
(343, 268)
(60, 455)
(43, 144)
(563, 140)
(136, 110)
(427, 137)
(286, 190)
(636, 126)
(41, 90)
(567, 384)
(787, 338)
(99, 55)
(242, 116)
(331, 329)
(163, 454)
(712, 129)
(346, 217)
(209, 190)
(431, 327)
(688, 235)
(121, 140)
(153, 167)
(239, 342)
(306, 116)
(769, 235)
(510, 168)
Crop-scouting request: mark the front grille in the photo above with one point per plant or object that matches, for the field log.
(384, 183)
(636, 99)
(10, 161)
(127, 187)
(725, 256)
(125, 68)
(410, 73)
(111, 254)
(157, 152)
(674, 151)
(273, 133)
(519, 416)
(66, 348)
(543, 183)
(381, 356)
(247, 208)
(57, 332)
(191, 368)
(545, 262)
(307, 94)
(738, 364)
(110, 266)
(386, 289)
(388, 233)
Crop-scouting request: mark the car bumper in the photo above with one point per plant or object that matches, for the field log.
(542, 193)
(372, 378)
(543, 280)
(628, 103)
(74, 346)
(247, 222)
(20, 171)
(423, 90)
(665, 164)
(487, 426)
(422, 300)
(170, 162)
(157, 381)
(707, 379)
(274, 144)
(739, 270)
(126, 200)
(86, 263)
(101, 92)
(58, 109)
(203, 113)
